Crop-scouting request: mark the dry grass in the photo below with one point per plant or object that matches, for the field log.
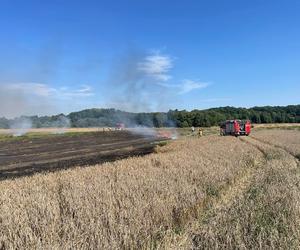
(287, 139)
(277, 125)
(126, 204)
(263, 212)
(179, 131)
(266, 216)
(209, 192)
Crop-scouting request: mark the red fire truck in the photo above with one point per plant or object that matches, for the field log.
(120, 126)
(235, 127)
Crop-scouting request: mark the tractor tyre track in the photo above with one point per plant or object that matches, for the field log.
(227, 193)
(200, 212)
(275, 145)
(267, 148)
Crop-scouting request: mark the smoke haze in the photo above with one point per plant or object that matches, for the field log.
(24, 99)
(20, 126)
(137, 78)
(139, 86)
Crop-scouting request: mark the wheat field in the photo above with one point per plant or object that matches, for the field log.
(288, 140)
(194, 193)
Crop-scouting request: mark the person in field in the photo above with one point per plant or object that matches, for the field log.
(200, 132)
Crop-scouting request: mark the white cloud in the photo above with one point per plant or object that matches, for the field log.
(185, 86)
(189, 85)
(38, 89)
(44, 90)
(82, 91)
(85, 89)
(157, 66)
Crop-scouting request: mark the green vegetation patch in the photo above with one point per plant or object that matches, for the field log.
(212, 191)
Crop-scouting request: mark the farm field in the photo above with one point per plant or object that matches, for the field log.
(46, 150)
(278, 125)
(38, 132)
(193, 193)
(56, 130)
(149, 125)
(39, 152)
(289, 140)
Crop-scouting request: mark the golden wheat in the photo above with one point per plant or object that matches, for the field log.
(287, 139)
(191, 193)
(263, 212)
(128, 203)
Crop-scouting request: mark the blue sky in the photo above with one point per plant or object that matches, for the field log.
(61, 56)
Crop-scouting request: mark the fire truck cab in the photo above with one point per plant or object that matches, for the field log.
(120, 126)
(235, 127)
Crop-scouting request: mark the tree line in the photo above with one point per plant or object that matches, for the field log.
(172, 118)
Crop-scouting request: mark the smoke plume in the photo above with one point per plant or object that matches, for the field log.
(61, 124)
(137, 80)
(139, 85)
(20, 126)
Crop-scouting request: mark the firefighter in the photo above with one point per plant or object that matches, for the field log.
(200, 132)
(193, 129)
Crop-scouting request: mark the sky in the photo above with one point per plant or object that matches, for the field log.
(63, 56)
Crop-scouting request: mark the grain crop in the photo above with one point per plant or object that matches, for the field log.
(287, 139)
(209, 192)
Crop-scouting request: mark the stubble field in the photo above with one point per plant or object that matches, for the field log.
(209, 192)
